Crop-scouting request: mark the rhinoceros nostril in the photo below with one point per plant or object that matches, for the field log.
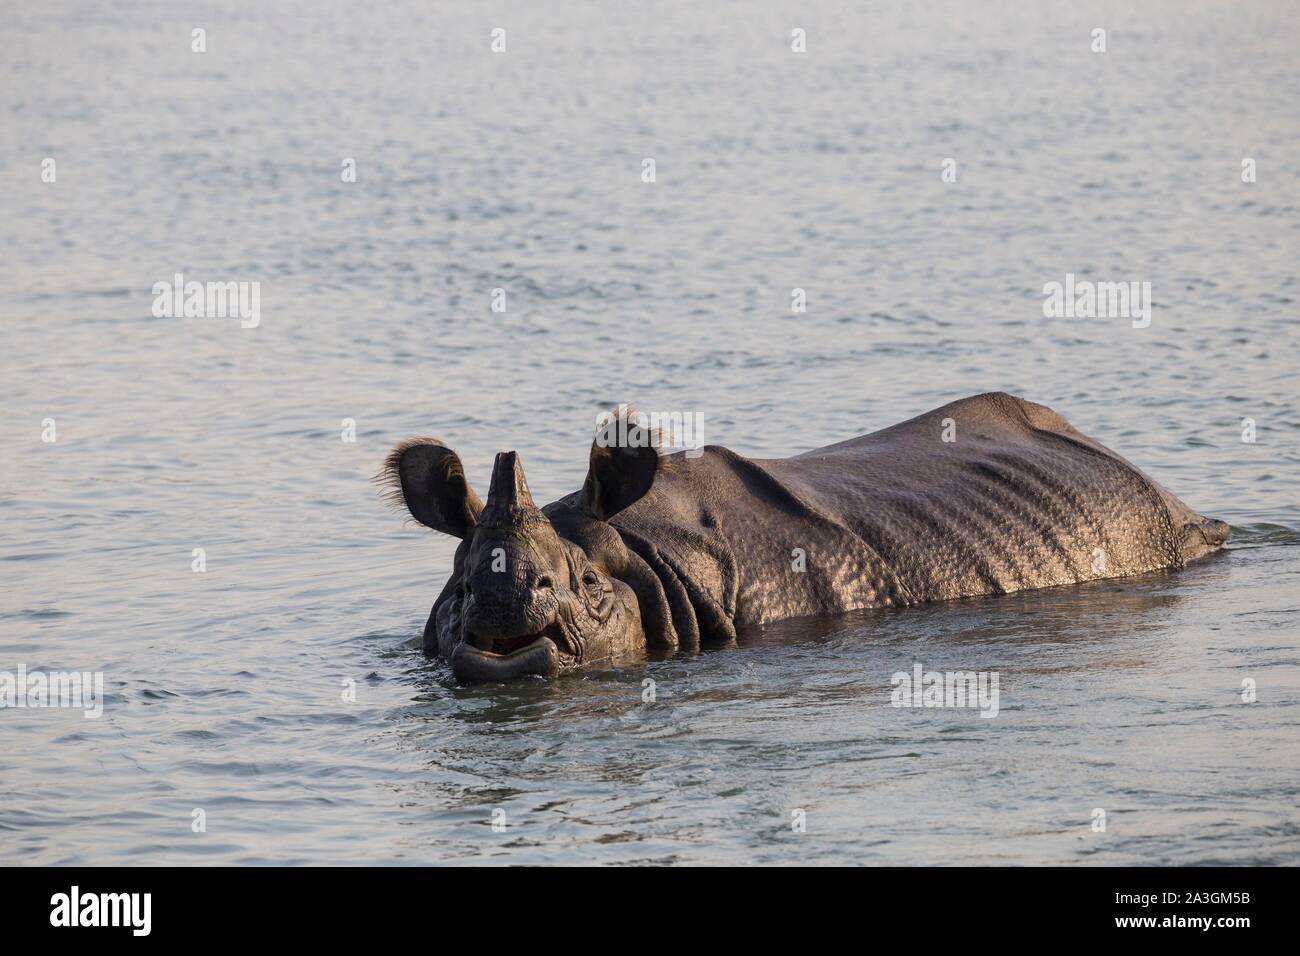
(545, 581)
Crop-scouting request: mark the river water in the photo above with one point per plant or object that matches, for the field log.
(276, 709)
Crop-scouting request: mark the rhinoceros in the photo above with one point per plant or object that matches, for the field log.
(986, 495)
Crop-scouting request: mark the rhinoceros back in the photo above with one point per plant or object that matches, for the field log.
(986, 495)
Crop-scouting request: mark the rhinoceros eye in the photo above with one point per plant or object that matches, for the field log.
(598, 595)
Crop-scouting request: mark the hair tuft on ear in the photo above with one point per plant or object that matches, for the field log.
(624, 460)
(389, 478)
(630, 422)
(426, 478)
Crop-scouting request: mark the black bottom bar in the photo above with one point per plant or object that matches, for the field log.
(333, 905)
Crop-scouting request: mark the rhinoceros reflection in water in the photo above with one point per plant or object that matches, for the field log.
(986, 495)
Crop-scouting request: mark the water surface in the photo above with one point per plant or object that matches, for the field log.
(521, 171)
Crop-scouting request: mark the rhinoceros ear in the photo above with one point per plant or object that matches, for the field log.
(427, 478)
(624, 460)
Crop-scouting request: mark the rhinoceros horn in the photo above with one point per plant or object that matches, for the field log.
(509, 503)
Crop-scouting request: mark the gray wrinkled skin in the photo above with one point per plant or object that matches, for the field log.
(671, 551)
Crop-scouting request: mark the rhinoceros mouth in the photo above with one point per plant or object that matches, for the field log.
(544, 654)
(511, 645)
(505, 646)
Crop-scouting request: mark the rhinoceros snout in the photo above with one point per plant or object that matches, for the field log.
(496, 616)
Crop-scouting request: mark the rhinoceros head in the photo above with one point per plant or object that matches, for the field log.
(522, 597)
